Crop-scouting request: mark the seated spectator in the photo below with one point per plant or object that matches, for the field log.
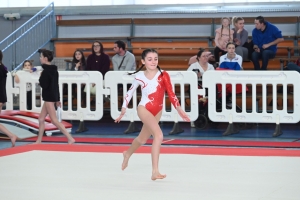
(123, 60)
(200, 67)
(231, 60)
(98, 60)
(78, 62)
(294, 66)
(265, 37)
(211, 59)
(202, 64)
(223, 35)
(240, 37)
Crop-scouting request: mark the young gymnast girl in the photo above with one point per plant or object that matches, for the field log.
(50, 94)
(154, 82)
(3, 99)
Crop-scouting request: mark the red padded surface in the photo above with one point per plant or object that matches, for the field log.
(12, 115)
(147, 149)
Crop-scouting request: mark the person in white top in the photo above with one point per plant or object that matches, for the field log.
(27, 66)
(201, 67)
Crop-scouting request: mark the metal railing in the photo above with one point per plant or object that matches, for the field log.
(25, 41)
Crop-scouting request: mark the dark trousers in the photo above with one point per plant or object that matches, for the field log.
(265, 56)
(217, 51)
(293, 66)
(249, 46)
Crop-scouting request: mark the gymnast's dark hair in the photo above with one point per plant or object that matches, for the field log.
(46, 53)
(144, 54)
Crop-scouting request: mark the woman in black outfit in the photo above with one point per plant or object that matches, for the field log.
(3, 99)
(50, 94)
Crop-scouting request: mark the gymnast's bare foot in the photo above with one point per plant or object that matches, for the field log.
(157, 175)
(125, 160)
(71, 141)
(13, 140)
(38, 142)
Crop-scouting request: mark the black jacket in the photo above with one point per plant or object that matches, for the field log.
(3, 75)
(49, 83)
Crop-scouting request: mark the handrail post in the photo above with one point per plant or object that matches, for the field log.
(13, 46)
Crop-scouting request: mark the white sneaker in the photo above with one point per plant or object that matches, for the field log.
(192, 125)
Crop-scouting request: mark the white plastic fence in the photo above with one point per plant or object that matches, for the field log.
(66, 78)
(178, 78)
(181, 79)
(10, 91)
(254, 78)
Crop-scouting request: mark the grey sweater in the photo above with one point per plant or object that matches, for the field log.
(128, 63)
(242, 36)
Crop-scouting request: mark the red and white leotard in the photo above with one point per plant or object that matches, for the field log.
(153, 91)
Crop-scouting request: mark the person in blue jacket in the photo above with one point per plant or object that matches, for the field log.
(265, 38)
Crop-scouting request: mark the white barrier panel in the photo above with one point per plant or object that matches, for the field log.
(181, 78)
(67, 78)
(253, 78)
(10, 91)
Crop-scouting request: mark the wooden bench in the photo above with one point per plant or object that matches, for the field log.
(169, 47)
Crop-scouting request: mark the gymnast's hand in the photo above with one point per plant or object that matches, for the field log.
(182, 114)
(121, 115)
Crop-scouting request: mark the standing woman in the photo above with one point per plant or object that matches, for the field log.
(3, 99)
(240, 37)
(98, 60)
(223, 36)
(154, 82)
(50, 94)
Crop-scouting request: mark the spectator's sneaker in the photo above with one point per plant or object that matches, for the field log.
(192, 124)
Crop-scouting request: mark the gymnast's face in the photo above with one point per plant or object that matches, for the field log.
(151, 61)
(27, 65)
